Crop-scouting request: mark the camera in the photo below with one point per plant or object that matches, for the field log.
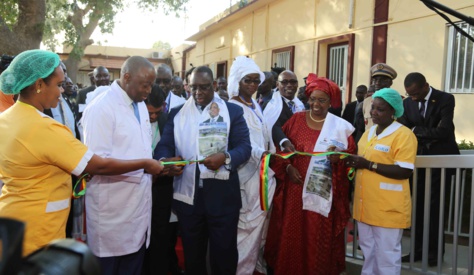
(5, 61)
(64, 256)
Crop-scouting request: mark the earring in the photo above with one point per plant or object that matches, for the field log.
(38, 91)
(393, 117)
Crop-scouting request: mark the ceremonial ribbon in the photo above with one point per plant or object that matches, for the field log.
(77, 194)
(181, 162)
(82, 192)
(265, 163)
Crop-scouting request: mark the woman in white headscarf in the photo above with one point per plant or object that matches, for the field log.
(245, 77)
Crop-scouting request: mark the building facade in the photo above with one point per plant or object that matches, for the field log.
(341, 40)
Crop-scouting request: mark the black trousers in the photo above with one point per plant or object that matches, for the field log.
(159, 257)
(220, 232)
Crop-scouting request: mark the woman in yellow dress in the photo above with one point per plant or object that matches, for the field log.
(38, 154)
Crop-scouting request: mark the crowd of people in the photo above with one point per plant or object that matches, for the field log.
(169, 156)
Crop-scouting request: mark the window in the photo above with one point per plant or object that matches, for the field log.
(338, 64)
(460, 61)
(284, 58)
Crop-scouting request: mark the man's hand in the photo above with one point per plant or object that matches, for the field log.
(214, 161)
(153, 166)
(288, 146)
(172, 170)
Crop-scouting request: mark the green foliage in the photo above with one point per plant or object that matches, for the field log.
(466, 145)
(162, 46)
(9, 12)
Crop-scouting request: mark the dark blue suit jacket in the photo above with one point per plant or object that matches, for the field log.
(220, 196)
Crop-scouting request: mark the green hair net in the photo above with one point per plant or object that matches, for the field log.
(26, 68)
(393, 98)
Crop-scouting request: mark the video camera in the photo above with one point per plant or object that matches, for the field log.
(5, 61)
(65, 256)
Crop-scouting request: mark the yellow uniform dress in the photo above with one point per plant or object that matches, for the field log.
(37, 157)
(378, 200)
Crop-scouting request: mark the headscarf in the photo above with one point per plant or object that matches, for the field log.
(26, 68)
(6, 101)
(241, 67)
(313, 83)
(393, 98)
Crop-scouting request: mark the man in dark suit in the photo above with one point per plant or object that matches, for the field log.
(429, 113)
(264, 91)
(207, 207)
(353, 107)
(101, 78)
(160, 257)
(214, 114)
(287, 85)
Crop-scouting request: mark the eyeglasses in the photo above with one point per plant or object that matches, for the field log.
(163, 80)
(250, 81)
(291, 81)
(320, 100)
(202, 87)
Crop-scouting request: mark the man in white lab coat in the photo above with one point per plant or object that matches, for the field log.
(116, 125)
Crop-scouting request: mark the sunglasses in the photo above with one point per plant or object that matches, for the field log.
(250, 81)
(203, 87)
(162, 80)
(291, 81)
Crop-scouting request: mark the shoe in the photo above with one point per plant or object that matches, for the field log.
(406, 258)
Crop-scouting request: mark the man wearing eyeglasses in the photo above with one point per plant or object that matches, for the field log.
(163, 79)
(281, 107)
(206, 193)
(429, 113)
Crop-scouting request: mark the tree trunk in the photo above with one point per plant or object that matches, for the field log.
(72, 66)
(27, 33)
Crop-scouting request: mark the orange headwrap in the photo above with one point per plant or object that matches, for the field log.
(6, 101)
(313, 83)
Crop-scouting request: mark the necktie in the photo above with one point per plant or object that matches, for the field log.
(291, 104)
(135, 110)
(422, 108)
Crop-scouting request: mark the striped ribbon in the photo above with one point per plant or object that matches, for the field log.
(80, 186)
(265, 163)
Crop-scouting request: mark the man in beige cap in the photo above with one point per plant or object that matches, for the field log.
(382, 77)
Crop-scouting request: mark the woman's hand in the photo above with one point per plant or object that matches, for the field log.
(357, 162)
(334, 158)
(294, 174)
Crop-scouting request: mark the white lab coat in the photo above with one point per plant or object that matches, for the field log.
(118, 207)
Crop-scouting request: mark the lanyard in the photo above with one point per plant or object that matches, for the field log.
(153, 146)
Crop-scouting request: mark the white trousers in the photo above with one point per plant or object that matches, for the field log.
(382, 249)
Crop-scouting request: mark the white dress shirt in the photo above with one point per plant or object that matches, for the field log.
(118, 207)
(173, 100)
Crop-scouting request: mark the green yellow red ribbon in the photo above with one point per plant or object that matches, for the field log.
(265, 163)
(181, 162)
(82, 181)
(82, 185)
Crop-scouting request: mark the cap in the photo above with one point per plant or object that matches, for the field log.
(383, 69)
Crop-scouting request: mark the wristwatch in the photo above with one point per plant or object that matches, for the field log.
(227, 158)
(374, 167)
